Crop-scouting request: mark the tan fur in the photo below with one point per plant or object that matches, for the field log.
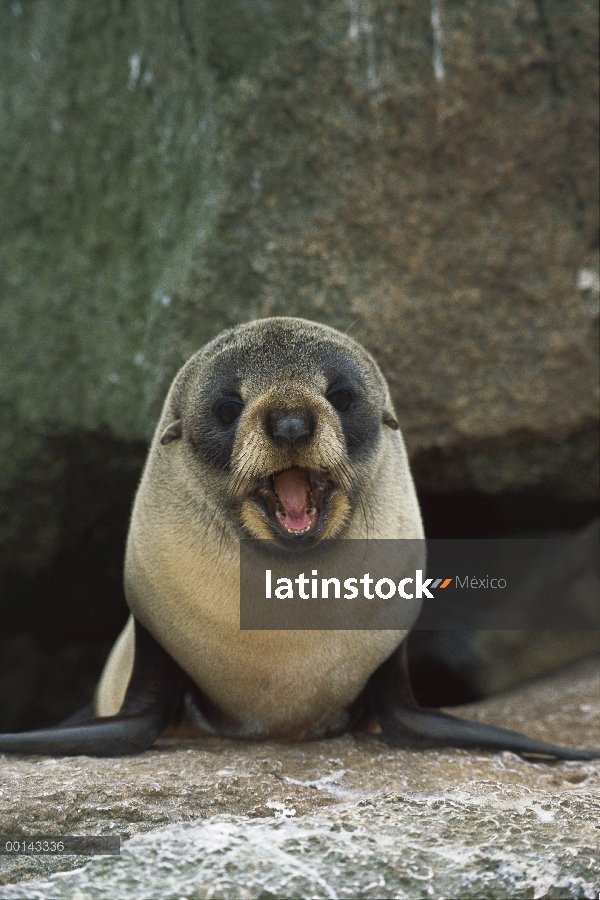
(111, 689)
(182, 563)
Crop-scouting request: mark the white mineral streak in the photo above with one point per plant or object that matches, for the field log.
(588, 282)
(361, 25)
(436, 24)
(134, 70)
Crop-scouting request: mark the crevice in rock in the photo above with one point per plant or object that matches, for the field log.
(59, 623)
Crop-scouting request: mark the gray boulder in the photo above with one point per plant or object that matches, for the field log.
(422, 174)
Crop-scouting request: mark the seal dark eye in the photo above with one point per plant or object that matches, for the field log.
(341, 399)
(229, 410)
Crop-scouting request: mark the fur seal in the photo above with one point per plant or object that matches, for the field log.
(284, 430)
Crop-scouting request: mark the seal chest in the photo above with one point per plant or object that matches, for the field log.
(265, 683)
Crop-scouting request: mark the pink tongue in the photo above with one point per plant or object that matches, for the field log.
(292, 488)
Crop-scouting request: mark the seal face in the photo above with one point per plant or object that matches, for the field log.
(286, 417)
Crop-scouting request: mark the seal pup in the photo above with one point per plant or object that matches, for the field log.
(284, 430)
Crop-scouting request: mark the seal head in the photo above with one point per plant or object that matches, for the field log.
(284, 418)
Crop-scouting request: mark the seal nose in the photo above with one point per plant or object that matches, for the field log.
(290, 427)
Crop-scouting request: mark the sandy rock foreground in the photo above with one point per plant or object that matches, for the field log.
(341, 818)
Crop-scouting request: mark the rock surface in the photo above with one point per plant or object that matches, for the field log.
(343, 818)
(430, 182)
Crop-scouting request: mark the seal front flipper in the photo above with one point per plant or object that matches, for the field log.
(147, 709)
(405, 724)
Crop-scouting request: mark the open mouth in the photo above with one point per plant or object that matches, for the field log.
(295, 501)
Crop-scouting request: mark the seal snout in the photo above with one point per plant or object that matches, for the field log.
(290, 428)
(289, 465)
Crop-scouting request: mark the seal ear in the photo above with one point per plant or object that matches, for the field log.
(390, 421)
(172, 432)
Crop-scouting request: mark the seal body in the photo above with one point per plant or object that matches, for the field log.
(282, 430)
(308, 449)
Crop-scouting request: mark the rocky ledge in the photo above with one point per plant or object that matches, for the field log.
(340, 818)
